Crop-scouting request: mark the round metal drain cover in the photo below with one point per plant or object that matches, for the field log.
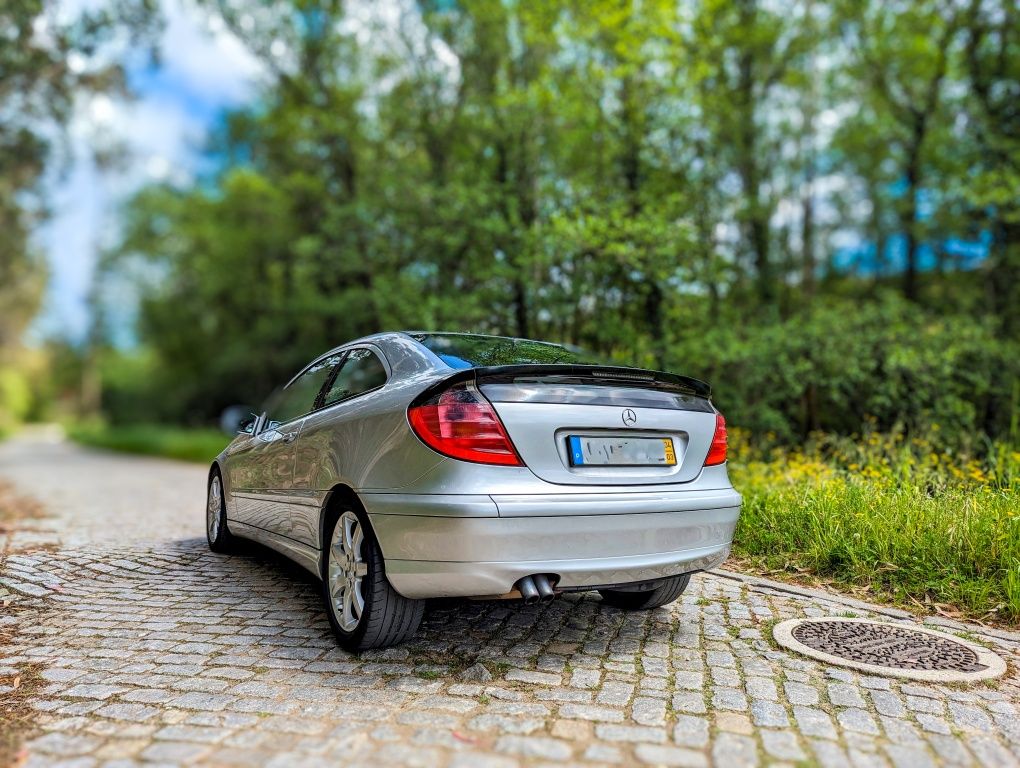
(893, 650)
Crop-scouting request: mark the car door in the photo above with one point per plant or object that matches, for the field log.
(271, 460)
(329, 436)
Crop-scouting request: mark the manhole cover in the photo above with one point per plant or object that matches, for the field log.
(889, 649)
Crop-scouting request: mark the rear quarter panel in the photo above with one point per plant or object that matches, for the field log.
(364, 443)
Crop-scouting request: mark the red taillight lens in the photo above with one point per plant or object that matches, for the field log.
(717, 451)
(459, 422)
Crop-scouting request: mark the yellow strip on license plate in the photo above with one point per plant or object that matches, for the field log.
(670, 453)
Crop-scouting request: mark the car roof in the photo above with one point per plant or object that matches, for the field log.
(384, 336)
(484, 335)
(387, 339)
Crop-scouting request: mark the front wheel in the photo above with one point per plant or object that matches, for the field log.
(664, 592)
(216, 532)
(363, 609)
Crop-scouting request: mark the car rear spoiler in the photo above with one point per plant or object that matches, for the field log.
(573, 374)
(594, 374)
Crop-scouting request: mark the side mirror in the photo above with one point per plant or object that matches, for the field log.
(238, 420)
(270, 432)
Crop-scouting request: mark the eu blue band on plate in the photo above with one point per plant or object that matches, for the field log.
(576, 454)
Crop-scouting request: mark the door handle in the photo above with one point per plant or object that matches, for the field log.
(290, 437)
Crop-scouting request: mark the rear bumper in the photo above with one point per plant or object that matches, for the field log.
(475, 545)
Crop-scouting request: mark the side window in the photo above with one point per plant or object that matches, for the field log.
(299, 398)
(361, 372)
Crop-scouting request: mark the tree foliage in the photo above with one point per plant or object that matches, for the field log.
(671, 184)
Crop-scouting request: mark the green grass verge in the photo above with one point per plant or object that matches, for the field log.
(199, 445)
(902, 526)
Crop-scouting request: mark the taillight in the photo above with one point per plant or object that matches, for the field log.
(717, 451)
(460, 423)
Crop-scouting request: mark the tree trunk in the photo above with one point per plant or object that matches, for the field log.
(810, 401)
(807, 237)
(755, 218)
(707, 250)
(653, 314)
(630, 167)
(908, 214)
(1004, 278)
(521, 308)
(807, 233)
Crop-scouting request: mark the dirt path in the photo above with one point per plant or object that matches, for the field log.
(152, 649)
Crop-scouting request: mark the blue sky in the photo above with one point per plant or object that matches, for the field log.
(203, 71)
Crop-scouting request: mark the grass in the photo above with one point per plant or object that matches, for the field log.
(889, 518)
(186, 444)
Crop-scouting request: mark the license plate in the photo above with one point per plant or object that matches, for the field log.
(621, 451)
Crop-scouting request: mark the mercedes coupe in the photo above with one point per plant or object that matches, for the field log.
(406, 466)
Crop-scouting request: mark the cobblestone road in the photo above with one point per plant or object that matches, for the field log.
(154, 650)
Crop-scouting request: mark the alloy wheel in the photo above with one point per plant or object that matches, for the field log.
(347, 570)
(214, 509)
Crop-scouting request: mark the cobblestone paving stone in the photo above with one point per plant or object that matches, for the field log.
(155, 650)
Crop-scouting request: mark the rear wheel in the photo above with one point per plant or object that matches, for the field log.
(664, 592)
(363, 609)
(216, 531)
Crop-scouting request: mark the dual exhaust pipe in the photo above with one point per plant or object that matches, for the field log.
(536, 589)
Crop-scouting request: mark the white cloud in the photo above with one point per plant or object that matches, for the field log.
(208, 60)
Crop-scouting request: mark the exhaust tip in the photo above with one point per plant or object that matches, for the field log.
(544, 587)
(529, 592)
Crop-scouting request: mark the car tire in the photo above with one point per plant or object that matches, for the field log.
(664, 593)
(374, 615)
(216, 531)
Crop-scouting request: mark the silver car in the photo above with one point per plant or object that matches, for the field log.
(405, 466)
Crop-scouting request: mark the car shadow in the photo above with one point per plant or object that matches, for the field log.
(456, 633)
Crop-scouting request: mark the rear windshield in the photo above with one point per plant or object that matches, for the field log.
(467, 350)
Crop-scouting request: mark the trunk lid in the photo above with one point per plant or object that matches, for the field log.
(561, 417)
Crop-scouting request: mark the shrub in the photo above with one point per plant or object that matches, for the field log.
(198, 445)
(850, 367)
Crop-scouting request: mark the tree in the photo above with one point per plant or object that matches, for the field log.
(742, 53)
(46, 63)
(644, 179)
(903, 56)
(992, 57)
